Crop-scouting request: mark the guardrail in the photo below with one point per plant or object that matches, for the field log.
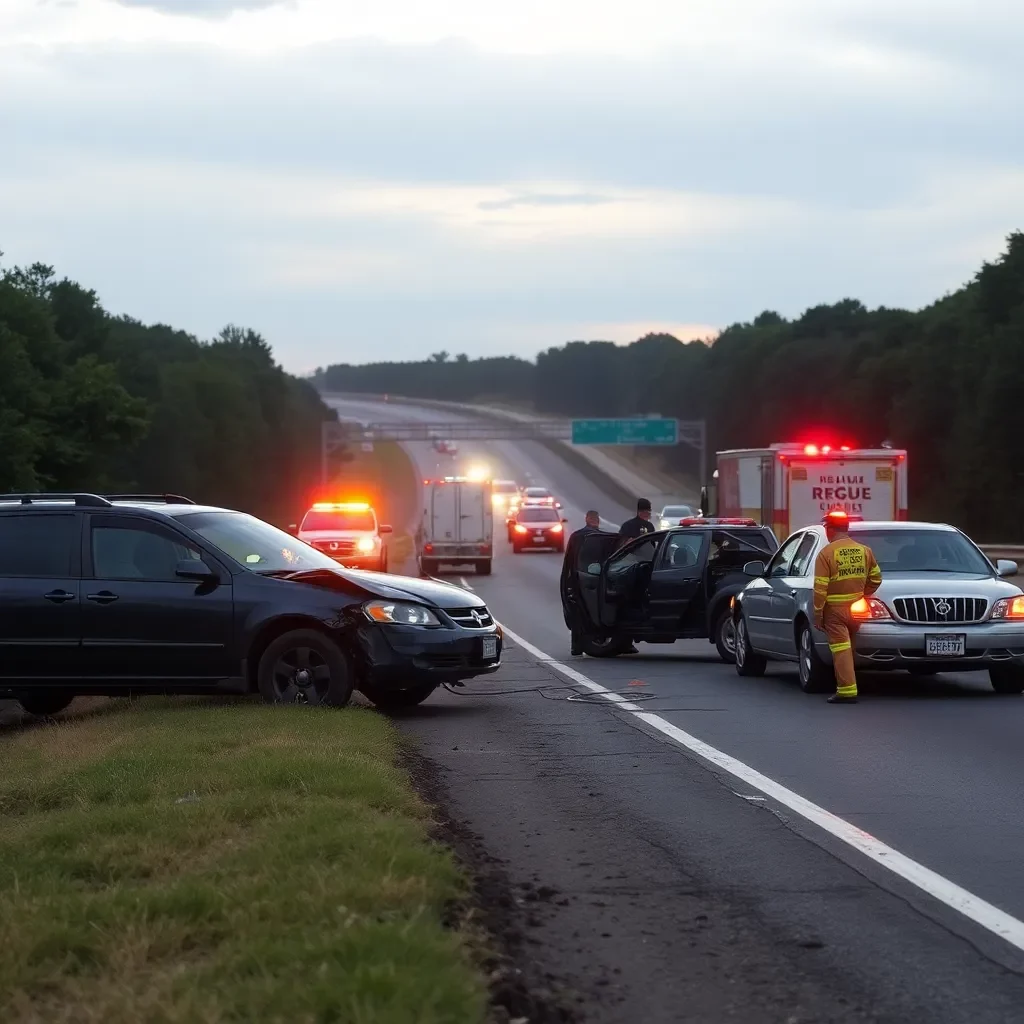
(1015, 552)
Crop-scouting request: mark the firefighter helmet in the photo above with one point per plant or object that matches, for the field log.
(836, 519)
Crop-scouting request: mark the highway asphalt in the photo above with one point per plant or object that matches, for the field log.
(693, 890)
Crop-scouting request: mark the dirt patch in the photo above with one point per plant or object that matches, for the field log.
(498, 916)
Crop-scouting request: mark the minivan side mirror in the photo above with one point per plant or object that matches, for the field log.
(293, 529)
(194, 569)
(386, 529)
(1004, 567)
(754, 569)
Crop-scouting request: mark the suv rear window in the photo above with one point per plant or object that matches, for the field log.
(37, 544)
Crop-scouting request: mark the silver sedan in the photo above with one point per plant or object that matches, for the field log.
(942, 607)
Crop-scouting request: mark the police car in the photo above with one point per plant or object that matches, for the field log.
(346, 531)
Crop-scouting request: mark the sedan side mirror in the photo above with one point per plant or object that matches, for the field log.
(1004, 567)
(386, 529)
(194, 569)
(754, 569)
(565, 520)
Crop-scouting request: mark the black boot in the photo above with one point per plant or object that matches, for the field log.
(836, 699)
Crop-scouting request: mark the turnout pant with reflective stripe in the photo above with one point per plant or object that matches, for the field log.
(840, 628)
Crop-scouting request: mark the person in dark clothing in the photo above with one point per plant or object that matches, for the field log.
(567, 583)
(639, 524)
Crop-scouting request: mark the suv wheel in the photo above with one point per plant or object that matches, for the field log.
(397, 700)
(724, 633)
(44, 704)
(1007, 678)
(606, 647)
(304, 667)
(748, 662)
(816, 676)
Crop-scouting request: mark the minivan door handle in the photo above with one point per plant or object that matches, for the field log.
(103, 597)
(59, 596)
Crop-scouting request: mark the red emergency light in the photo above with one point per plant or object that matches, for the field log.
(726, 521)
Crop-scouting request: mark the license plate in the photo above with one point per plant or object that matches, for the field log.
(945, 645)
(490, 644)
(538, 538)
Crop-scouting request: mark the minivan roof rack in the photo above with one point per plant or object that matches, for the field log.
(167, 499)
(88, 500)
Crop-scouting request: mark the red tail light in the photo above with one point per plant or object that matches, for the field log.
(485, 549)
(428, 548)
(866, 608)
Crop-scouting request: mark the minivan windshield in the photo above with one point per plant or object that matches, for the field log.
(923, 551)
(538, 515)
(255, 544)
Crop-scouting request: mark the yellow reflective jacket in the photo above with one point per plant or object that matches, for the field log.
(843, 572)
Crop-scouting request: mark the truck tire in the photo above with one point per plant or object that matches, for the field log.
(483, 568)
(747, 661)
(816, 676)
(1007, 678)
(723, 632)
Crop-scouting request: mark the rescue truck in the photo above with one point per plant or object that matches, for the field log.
(457, 526)
(790, 486)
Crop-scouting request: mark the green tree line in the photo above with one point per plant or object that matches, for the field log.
(941, 382)
(95, 402)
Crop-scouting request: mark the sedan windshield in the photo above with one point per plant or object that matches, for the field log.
(538, 515)
(255, 544)
(538, 492)
(923, 551)
(676, 512)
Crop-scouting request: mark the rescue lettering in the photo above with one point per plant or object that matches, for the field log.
(850, 562)
(841, 493)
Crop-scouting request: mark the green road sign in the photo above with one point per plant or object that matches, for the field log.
(639, 432)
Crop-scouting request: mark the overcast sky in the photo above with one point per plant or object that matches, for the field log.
(367, 180)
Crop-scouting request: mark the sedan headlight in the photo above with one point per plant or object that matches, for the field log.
(406, 614)
(1008, 608)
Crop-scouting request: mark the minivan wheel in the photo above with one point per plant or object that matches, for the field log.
(725, 637)
(815, 675)
(304, 667)
(747, 661)
(397, 700)
(1007, 678)
(43, 705)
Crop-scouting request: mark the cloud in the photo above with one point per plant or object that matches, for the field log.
(550, 199)
(202, 8)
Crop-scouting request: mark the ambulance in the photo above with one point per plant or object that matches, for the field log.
(790, 486)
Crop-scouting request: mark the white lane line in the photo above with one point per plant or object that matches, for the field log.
(952, 895)
(465, 582)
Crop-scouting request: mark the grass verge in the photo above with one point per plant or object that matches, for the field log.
(197, 861)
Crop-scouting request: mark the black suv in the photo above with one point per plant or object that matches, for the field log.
(666, 586)
(130, 594)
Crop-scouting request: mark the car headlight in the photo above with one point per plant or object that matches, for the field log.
(1008, 608)
(407, 614)
(366, 544)
(665, 524)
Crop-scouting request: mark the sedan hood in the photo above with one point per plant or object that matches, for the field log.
(397, 588)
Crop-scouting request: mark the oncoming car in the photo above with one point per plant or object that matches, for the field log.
(538, 527)
(942, 607)
(671, 514)
(132, 594)
(346, 531)
(503, 493)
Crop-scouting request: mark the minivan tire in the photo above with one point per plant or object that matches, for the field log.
(327, 680)
(605, 647)
(43, 704)
(397, 700)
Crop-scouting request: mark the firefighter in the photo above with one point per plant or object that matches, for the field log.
(571, 609)
(845, 571)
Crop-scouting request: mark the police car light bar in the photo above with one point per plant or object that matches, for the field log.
(341, 506)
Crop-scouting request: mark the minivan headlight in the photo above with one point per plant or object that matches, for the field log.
(402, 612)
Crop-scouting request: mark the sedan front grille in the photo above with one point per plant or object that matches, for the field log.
(465, 618)
(942, 610)
(335, 547)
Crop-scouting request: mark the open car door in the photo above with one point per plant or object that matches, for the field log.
(623, 599)
(593, 552)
